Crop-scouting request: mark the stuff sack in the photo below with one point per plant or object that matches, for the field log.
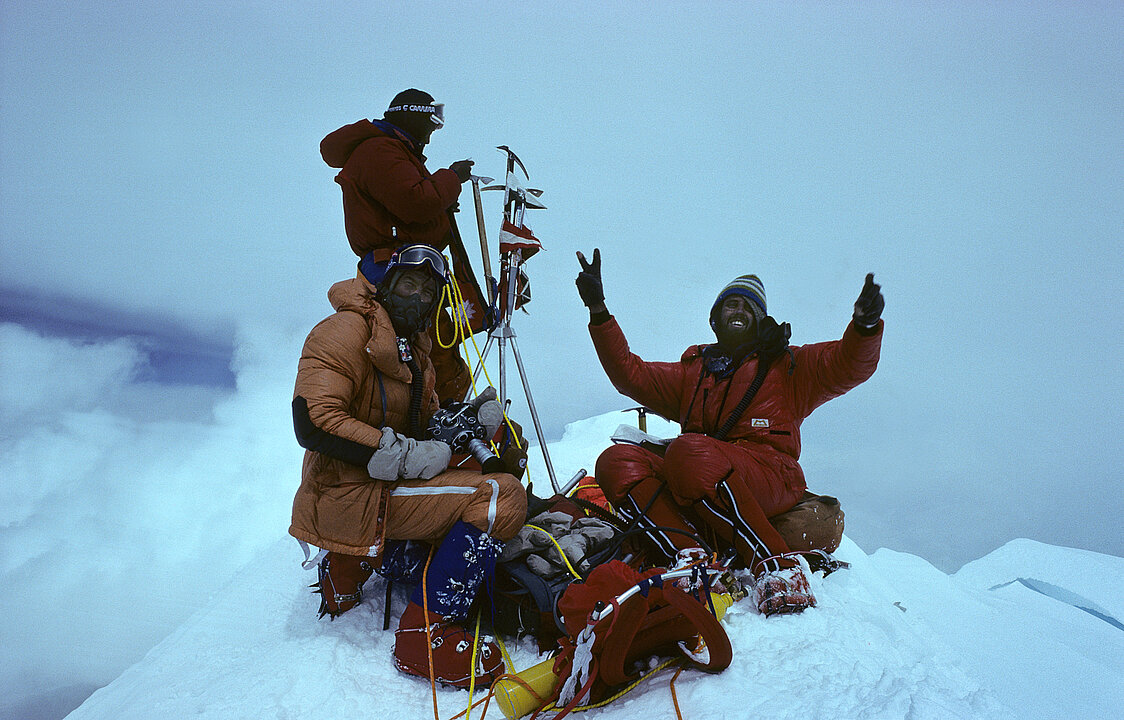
(814, 523)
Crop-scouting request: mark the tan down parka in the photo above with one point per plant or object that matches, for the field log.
(350, 383)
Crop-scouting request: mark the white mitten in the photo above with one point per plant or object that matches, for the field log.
(426, 459)
(403, 458)
(489, 411)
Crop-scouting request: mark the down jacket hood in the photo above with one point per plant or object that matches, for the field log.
(338, 145)
(359, 295)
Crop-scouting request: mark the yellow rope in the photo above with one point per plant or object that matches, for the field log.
(472, 666)
(503, 651)
(428, 635)
(623, 691)
(451, 293)
(579, 486)
(463, 331)
(558, 548)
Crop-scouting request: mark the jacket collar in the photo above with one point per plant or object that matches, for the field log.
(393, 130)
(359, 295)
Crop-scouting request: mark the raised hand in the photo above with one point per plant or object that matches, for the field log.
(590, 289)
(869, 306)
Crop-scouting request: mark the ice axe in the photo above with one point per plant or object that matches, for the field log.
(513, 158)
(518, 198)
(641, 417)
(515, 198)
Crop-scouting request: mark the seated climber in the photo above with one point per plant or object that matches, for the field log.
(740, 403)
(370, 481)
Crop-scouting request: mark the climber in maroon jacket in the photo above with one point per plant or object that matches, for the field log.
(740, 403)
(390, 199)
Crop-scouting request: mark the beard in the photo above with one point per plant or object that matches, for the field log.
(734, 338)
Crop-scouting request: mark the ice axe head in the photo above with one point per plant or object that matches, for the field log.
(641, 417)
(513, 158)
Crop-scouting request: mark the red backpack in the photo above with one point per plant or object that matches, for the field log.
(598, 654)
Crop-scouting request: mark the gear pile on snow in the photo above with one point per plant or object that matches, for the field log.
(580, 539)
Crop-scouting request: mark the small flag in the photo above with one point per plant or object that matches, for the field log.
(513, 237)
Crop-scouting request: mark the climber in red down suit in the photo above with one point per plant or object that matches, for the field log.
(736, 463)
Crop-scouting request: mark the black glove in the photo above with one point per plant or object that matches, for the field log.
(463, 169)
(772, 337)
(590, 289)
(869, 306)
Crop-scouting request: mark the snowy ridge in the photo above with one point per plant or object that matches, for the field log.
(1079, 578)
(891, 637)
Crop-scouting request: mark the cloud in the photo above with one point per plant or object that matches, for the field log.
(118, 522)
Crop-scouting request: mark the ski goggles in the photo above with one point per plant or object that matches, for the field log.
(416, 256)
(436, 111)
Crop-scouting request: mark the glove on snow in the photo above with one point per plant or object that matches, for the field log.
(463, 169)
(404, 458)
(590, 288)
(869, 306)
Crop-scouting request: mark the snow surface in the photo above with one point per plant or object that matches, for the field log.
(1029, 631)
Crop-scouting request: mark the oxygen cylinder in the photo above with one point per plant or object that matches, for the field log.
(515, 700)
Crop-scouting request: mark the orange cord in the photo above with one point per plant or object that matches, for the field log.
(428, 636)
(484, 700)
(674, 698)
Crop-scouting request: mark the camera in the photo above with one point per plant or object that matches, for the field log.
(460, 427)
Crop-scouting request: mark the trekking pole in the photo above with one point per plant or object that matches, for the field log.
(572, 482)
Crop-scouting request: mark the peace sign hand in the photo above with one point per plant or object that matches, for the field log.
(590, 289)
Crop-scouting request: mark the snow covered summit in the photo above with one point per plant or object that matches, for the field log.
(1029, 631)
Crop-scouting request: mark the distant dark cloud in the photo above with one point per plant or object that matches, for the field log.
(176, 354)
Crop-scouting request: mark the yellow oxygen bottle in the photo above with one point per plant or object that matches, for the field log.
(515, 700)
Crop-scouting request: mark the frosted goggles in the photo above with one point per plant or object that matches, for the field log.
(435, 111)
(417, 256)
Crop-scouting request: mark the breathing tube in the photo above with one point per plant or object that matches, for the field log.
(417, 385)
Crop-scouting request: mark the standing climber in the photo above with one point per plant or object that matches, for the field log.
(391, 199)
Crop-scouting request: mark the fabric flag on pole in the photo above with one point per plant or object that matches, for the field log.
(513, 237)
(474, 308)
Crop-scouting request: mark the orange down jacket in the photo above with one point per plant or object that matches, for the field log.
(350, 383)
(390, 199)
(700, 402)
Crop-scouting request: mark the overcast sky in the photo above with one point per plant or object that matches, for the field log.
(168, 232)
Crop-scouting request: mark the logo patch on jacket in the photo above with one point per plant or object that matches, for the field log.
(760, 422)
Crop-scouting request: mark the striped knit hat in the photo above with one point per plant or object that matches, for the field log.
(749, 287)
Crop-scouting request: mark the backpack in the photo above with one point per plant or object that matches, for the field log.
(606, 638)
(524, 594)
(814, 523)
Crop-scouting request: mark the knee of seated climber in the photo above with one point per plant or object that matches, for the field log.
(693, 466)
(623, 466)
(511, 507)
